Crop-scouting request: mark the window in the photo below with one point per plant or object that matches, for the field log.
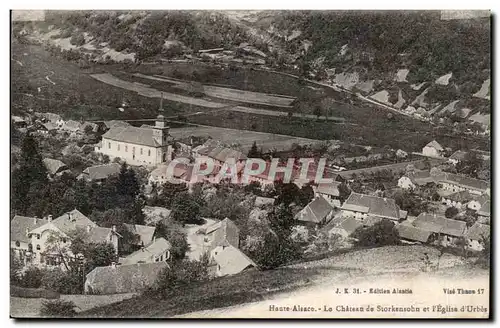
(18, 243)
(109, 145)
(37, 247)
(149, 153)
(110, 237)
(118, 147)
(37, 236)
(141, 151)
(161, 258)
(64, 240)
(133, 150)
(126, 148)
(156, 260)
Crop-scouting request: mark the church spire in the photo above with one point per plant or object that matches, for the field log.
(161, 103)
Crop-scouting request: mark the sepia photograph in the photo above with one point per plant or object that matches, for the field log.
(292, 164)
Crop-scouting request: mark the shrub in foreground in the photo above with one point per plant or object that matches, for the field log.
(58, 309)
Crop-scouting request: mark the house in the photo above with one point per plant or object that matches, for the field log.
(19, 122)
(72, 126)
(222, 233)
(449, 230)
(54, 167)
(264, 201)
(330, 191)
(63, 226)
(410, 233)
(318, 212)
(406, 182)
(221, 154)
(477, 202)
(229, 260)
(362, 206)
(100, 173)
(457, 157)
(433, 149)
(117, 279)
(138, 146)
(20, 241)
(455, 183)
(225, 257)
(458, 199)
(180, 173)
(477, 235)
(145, 233)
(484, 212)
(345, 226)
(157, 251)
(46, 127)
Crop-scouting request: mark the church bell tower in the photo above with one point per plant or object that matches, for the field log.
(160, 135)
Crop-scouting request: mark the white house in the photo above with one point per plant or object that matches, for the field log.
(433, 149)
(63, 226)
(157, 251)
(138, 146)
(405, 183)
(20, 241)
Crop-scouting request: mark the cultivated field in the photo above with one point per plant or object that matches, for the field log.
(243, 138)
(231, 94)
(30, 307)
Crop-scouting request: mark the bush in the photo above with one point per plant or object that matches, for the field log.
(17, 291)
(63, 282)
(32, 278)
(451, 212)
(59, 309)
(380, 234)
(180, 274)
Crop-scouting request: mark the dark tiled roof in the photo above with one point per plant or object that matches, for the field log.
(465, 181)
(458, 155)
(331, 189)
(99, 172)
(413, 233)
(225, 233)
(485, 209)
(440, 224)
(114, 123)
(132, 135)
(20, 224)
(70, 221)
(383, 207)
(461, 196)
(124, 278)
(316, 211)
(99, 235)
(231, 260)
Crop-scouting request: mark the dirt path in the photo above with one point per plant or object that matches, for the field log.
(48, 77)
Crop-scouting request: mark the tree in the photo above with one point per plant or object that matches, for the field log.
(344, 192)
(451, 212)
(180, 275)
(185, 209)
(254, 151)
(100, 254)
(381, 233)
(30, 176)
(176, 237)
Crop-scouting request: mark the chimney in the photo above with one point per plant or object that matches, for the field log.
(88, 228)
(49, 218)
(113, 228)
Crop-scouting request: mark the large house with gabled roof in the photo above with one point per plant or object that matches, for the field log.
(362, 207)
(138, 145)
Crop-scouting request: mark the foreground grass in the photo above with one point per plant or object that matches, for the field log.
(249, 286)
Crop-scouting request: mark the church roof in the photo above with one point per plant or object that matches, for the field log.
(132, 135)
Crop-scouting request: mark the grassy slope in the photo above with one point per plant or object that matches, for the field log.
(254, 286)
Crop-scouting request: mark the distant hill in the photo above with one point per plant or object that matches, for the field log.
(406, 55)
